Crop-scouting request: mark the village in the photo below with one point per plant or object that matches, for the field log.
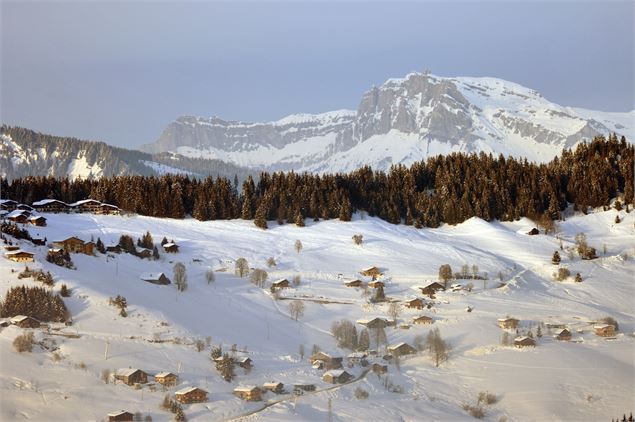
(395, 312)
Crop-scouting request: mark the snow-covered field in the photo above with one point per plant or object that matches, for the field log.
(590, 378)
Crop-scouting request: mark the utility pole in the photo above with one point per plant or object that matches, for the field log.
(106, 351)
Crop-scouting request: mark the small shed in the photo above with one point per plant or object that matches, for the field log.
(373, 272)
(508, 323)
(275, 387)
(422, 319)
(402, 349)
(166, 378)
(353, 283)
(336, 376)
(19, 256)
(282, 283)
(431, 288)
(563, 334)
(191, 395)
(376, 284)
(120, 416)
(131, 376)
(376, 322)
(416, 303)
(524, 341)
(155, 278)
(604, 330)
(171, 247)
(24, 321)
(248, 393)
(144, 253)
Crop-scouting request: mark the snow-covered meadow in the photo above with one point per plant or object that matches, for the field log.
(589, 378)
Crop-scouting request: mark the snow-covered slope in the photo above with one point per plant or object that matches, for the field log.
(591, 379)
(402, 121)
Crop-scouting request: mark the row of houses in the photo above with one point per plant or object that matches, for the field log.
(563, 333)
(25, 217)
(84, 206)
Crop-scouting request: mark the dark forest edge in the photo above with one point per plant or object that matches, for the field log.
(448, 189)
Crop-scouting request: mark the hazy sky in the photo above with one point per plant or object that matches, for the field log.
(120, 72)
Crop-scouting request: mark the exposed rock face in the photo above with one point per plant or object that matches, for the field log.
(402, 121)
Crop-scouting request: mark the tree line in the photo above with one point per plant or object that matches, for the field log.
(448, 189)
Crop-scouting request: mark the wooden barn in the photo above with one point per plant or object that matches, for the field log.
(191, 395)
(563, 334)
(155, 278)
(19, 256)
(416, 303)
(379, 369)
(376, 322)
(72, 245)
(327, 360)
(275, 387)
(376, 284)
(508, 323)
(353, 283)
(50, 205)
(248, 392)
(524, 341)
(166, 378)
(336, 376)
(431, 288)
(373, 272)
(604, 330)
(171, 247)
(24, 321)
(131, 376)
(422, 319)
(283, 283)
(120, 416)
(402, 349)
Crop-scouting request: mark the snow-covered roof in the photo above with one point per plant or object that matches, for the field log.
(151, 276)
(164, 374)
(367, 320)
(398, 345)
(282, 280)
(36, 217)
(56, 250)
(16, 213)
(47, 201)
(246, 388)
(243, 359)
(167, 245)
(335, 372)
(18, 252)
(118, 413)
(110, 206)
(370, 268)
(522, 338)
(84, 201)
(601, 326)
(507, 319)
(360, 355)
(271, 384)
(126, 372)
(189, 390)
(7, 201)
(18, 318)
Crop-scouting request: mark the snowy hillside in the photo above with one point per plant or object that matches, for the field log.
(402, 121)
(588, 378)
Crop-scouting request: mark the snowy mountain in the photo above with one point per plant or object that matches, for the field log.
(24, 152)
(402, 121)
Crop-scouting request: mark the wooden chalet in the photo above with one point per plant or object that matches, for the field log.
(524, 341)
(71, 245)
(431, 288)
(327, 360)
(50, 205)
(563, 334)
(373, 272)
(18, 217)
(376, 322)
(113, 248)
(274, 387)
(120, 416)
(604, 330)
(376, 284)
(248, 392)
(336, 376)
(171, 247)
(107, 209)
(144, 253)
(19, 256)
(243, 362)
(8, 204)
(166, 378)
(191, 395)
(155, 278)
(38, 241)
(131, 376)
(508, 323)
(353, 283)
(402, 349)
(422, 319)
(379, 369)
(283, 283)
(86, 205)
(416, 303)
(24, 321)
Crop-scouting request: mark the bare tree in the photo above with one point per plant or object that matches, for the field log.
(465, 270)
(445, 274)
(209, 276)
(296, 309)
(298, 246)
(345, 333)
(199, 345)
(439, 349)
(394, 310)
(258, 277)
(296, 280)
(271, 262)
(474, 271)
(242, 267)
(180, 276)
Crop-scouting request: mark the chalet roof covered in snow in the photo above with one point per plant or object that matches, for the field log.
(18, 252)
(47, 202)
(246, 388)
(335, 372)
(126, 372)
(17, 213)
(8, 202)
(170, 244)
(164, 374)
(84, 202)
(151, 276)
(189, 390)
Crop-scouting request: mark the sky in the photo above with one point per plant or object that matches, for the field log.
(120, 72)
